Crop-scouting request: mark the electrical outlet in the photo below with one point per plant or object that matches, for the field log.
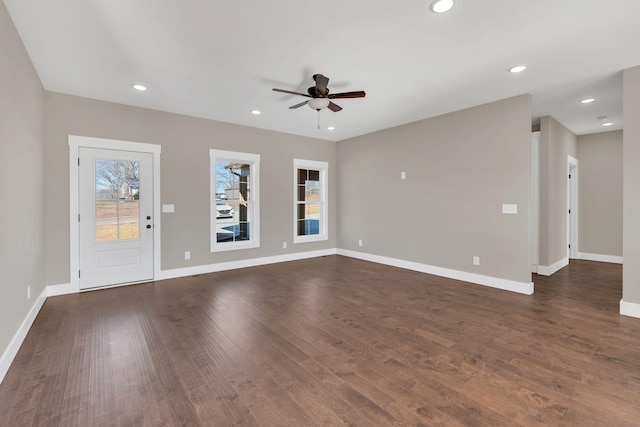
(28, 292)
(187, 255)
(476, 260)
(403, 175)
(284, 245)
(359, 242)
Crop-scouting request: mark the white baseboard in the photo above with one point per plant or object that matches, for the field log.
(64, 289)
(494, 282)
(232, 265)
(548, 270)
(600, 258)
(629, 309)
(17, 340)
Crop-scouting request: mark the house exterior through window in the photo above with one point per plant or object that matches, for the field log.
(235, 222)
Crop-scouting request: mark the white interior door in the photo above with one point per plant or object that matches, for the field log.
(116, 222)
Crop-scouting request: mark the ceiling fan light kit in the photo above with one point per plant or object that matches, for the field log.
(318, 103)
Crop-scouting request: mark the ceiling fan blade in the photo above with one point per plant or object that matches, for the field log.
(357, 94)
(321, 82)
(334, 107)
(291, 92)
(298, 105)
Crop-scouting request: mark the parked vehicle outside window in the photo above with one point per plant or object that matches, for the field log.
(223, 210)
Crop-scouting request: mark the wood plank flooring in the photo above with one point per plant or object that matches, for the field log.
(331, 341)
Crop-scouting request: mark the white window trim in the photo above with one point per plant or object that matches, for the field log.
(323, 167)
(254, 214)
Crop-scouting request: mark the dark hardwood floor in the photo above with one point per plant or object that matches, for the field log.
(331, 341)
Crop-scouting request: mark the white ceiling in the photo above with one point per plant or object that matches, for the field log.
(219, 59)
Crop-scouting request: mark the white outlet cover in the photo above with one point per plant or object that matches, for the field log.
(403, 175)
(476, 260)
(187, 255)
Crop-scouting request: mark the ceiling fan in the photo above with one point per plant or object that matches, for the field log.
(320, 96)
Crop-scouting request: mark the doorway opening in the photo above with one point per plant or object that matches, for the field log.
(534, 203)
(572, 207)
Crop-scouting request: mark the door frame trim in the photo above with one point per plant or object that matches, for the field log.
(573, 205)
(75, 142)
(534, 221)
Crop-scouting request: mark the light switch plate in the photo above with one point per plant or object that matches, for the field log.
(168, 208)
(510, 209)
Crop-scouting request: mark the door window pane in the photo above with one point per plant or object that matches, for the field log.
(117, 195)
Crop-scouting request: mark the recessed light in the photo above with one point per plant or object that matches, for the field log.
(256, 112)
(441, 6)
(331, 128)
(607, 124)
(517, 69)
(587, 101)
(141, 88)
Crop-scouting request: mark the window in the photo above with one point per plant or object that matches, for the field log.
(310, 201)
(235, 222)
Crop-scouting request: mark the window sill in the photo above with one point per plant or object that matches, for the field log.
(311, 238)
(224, 247)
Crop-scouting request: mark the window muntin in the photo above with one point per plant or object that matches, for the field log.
(234, 200)
(310, 201)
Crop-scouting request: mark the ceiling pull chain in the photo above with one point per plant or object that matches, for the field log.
(318, 119)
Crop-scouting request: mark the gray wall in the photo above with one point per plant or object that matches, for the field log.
(556, 143)
(21, 181)
(460, 168)
(185, 145)
(631, 147)
(600, 193)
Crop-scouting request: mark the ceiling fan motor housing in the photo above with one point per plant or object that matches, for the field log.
(315, 93)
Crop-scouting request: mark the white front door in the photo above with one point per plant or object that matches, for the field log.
(116, 217)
